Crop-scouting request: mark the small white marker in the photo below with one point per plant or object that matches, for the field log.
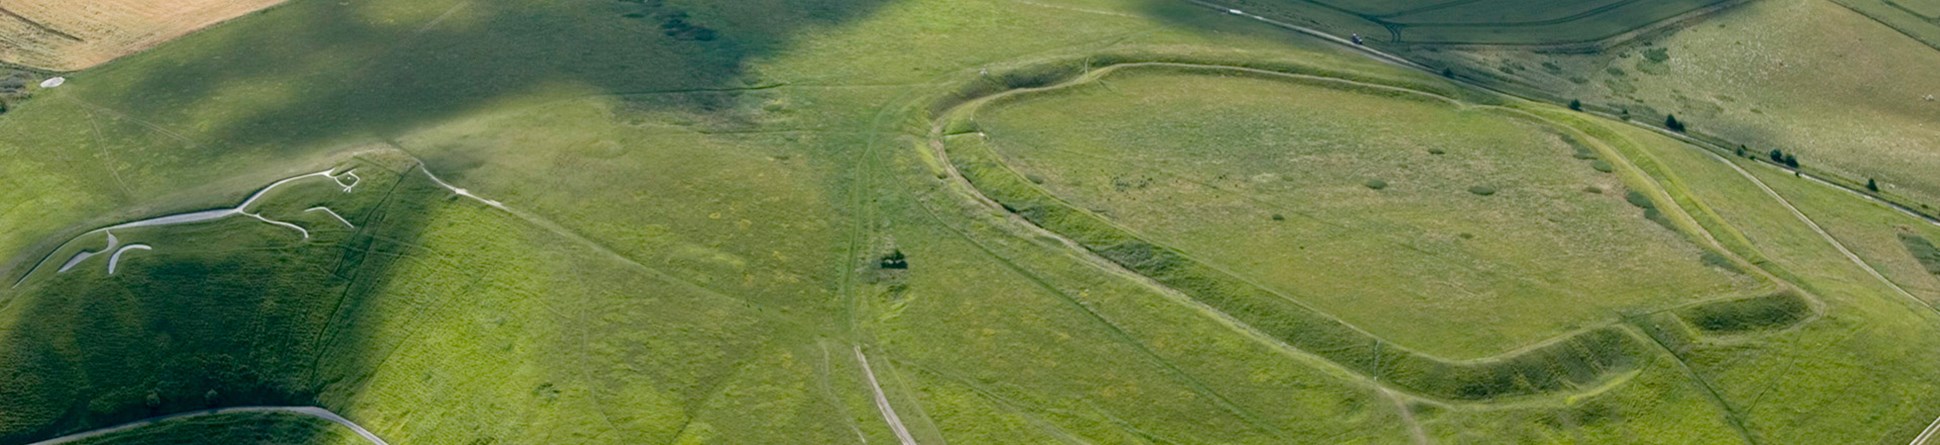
(1236, 12)
(54, 82)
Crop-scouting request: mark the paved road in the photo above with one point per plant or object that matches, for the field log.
(311, 411)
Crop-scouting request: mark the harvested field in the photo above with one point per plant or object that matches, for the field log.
(68, 35)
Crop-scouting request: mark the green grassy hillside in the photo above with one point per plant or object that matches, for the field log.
(919, 221)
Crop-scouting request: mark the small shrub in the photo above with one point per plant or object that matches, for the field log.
(1482, 190)
(1791, 161)
(1872, 185)
(1034, 178)
(1639, 199)
(1376, 184)
(1279, 217)
(1670, 121)
(1437, 151)
(1602, 166)
(1576, 104)
(1593, 189)
(1657, 54)
(895, 260)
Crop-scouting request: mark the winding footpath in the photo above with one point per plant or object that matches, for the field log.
(310, 411)
(882, 402)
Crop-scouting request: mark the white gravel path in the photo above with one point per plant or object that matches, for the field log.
(332, 213)
(115, 260)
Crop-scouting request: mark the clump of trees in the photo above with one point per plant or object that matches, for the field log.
(1786, 159)
(1670, 121)
(895, 260)
(1576, 104)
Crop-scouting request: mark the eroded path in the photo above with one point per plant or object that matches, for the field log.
(309, 411)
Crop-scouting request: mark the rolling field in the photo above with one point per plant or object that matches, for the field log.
(1769, 75)
(1292, 193)
(918, 222)
(1481, 22)
(61, 35)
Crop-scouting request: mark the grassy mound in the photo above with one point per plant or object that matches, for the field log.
(1195, 161)
(1746, 315)
(1575, 363)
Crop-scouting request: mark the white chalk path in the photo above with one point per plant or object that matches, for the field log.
(297, 228)
(116, 259)
(882, 402)
(311, 411)
(85, 254)
(332, 213)
(460, 191)
(347, 179)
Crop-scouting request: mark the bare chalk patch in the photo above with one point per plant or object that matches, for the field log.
(332, 213)
(459, 191)
(348, 180)
(115, 260)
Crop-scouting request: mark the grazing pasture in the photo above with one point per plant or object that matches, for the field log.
(928, 221)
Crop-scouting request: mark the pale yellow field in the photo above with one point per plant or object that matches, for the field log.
(76, 34)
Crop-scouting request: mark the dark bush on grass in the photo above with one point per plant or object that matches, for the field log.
(1482, 190)
(1640, 200)
(1376, 184)
(1602, 166)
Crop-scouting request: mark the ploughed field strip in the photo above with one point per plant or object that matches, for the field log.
(1479, 22)
(72, 35)
(1292, 237)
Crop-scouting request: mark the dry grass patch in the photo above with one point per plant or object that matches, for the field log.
(72, 35)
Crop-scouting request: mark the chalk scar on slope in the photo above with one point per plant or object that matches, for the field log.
(310, 411)
(882, 401)
(333, 214)
(197, 217)
(115, 260)
(460, 191)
